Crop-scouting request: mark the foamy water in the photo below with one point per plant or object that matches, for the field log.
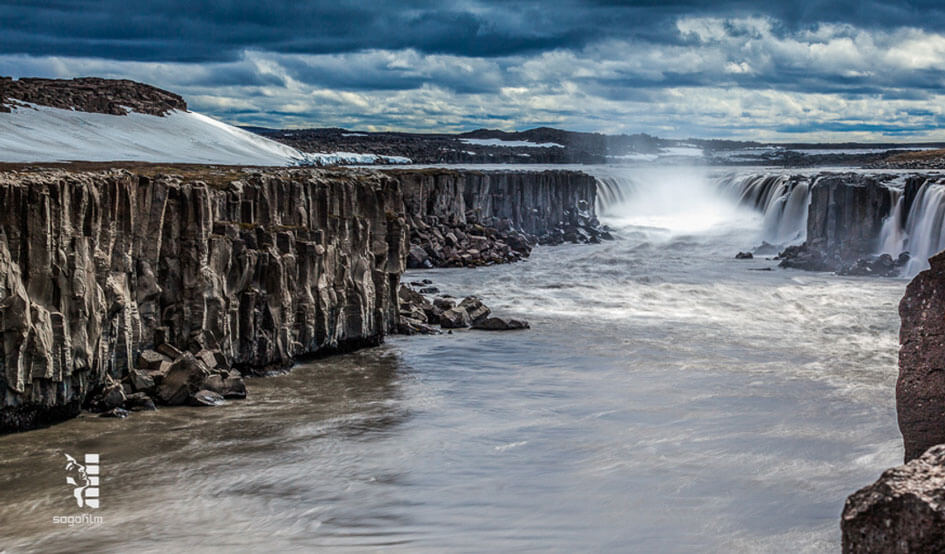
(667, 398)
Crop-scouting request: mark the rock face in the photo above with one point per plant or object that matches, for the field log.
(904, 511)
(844, 221)
(116, 284)
(920, 390)
(473, 218)
(90, 94)
(261, 267)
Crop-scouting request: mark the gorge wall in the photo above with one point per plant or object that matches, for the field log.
(904, 510)
(245, 269)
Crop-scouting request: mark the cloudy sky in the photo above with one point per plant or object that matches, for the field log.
(776, 70)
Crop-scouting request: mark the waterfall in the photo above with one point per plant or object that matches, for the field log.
(783, 199)
(921, 231)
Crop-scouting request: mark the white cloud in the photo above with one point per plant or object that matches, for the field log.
(742, 77)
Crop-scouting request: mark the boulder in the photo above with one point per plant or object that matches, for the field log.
(206, 398)
(455, 318)
(142, 381)
(744, 256)
(139, 402)
(184, 378)
(501, 324)
(417, 258)
(149, 359)
(475, 308)
(233, 385)
(904, 511)
(444, 303)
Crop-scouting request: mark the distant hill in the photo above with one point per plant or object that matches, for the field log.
(92, 119)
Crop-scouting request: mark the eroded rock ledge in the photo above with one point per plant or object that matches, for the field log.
(121, 286)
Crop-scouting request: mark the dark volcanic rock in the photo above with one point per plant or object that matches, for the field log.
(920, 390)
(455, 318)
(475, 218)
(501, 324)
(97, 268)
(90, 94)
(206, 398)
(474, 307)
(904, 511)
(845, 216)
(744, 256)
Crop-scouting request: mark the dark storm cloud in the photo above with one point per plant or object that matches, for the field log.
(676, 68)
(203, 30)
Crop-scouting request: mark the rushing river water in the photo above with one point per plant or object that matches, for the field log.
(667, 398)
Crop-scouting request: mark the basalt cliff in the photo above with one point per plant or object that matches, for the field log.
(904, 511)
(123, 286)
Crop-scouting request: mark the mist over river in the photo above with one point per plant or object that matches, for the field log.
(667, 398)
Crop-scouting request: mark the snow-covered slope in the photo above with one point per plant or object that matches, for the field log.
(44, 134)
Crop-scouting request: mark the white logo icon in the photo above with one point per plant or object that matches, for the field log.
(84, 477)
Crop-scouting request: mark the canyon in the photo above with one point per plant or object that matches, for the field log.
(127, 281)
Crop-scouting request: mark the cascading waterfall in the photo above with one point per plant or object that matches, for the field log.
(921, 231)
(783, 200)
(687, 200)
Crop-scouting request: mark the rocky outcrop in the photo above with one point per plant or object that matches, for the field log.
(471, 218)
(920, 390)
(845, 217)
(254, 267)
(904, 511)
(89, 94)
(420, 314)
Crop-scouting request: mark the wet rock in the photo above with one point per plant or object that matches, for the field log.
(118, 413)
(444, 303)
(920, 389)
(206, 398)
(429, 290)
(876, 266)
(455, 318)
(475, 308)
(411, 326)
(766, 249)
(904, 511)
(139, 402)
(744, 256)
(500, 324)
(234, 387)
(184, 378)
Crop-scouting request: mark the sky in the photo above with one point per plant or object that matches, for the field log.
(778, 71)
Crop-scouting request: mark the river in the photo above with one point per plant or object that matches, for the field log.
(667, 398)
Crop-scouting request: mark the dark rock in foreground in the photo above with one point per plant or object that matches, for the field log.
(920, 390)
(904, 511)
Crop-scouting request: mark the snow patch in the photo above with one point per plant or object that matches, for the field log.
(44, 134)
(511, 143)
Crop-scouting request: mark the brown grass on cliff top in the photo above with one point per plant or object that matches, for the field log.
(915, 156)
